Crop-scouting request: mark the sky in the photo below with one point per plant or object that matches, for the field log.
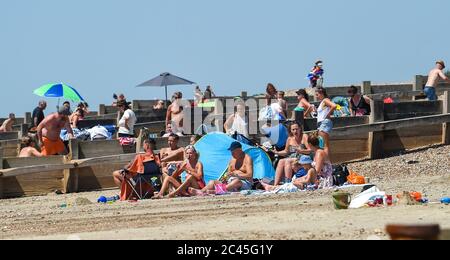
(103, 47)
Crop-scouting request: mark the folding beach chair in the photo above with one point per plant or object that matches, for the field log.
(140, 186)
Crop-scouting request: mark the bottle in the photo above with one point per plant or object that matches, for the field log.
(105, 200)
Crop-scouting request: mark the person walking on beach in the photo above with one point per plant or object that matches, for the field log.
(49, 130)
(433, 80)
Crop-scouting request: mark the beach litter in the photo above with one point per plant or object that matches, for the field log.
(105, 200)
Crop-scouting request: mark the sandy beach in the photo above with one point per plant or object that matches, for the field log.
(303, 215)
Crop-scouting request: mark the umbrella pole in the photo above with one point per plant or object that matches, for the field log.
(57, 106)
(167, 101)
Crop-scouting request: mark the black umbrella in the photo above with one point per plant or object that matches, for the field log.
(164, 80)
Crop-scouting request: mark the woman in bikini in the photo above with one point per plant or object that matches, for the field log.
(194, 176)
(296, 145)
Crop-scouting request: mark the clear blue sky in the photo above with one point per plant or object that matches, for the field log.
(106, 46)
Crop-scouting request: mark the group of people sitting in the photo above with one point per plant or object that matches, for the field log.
(180, 173)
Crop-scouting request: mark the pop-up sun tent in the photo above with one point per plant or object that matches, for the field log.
(214, 155)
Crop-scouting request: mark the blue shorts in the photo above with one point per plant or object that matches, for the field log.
(246, 185)
(431, 93)
(326, 126)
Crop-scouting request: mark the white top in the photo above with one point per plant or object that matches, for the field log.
(322, 112)
(239, 125)
(129, 114)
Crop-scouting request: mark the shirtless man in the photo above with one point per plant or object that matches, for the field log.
(239, 176)
(171, 154)
(175, 113)
(7, 125)
(433, 80)
(49, 131)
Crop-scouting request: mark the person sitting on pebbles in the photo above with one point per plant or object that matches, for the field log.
(240, 174)
(194, 176)
(299, 182)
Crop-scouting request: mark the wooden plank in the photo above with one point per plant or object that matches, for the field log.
(70, 181)
(29, 170)
(2, 193)
(416, 131)
(446, 133)
(99, 148)
(9, 135)
(90, 162)
(16, 162)
(1, 179)
(376, 138)
(349, 145)
(10, 152)
(405, 143)
(97, 177)
(32, 185)
(359, 136)
(390, 125)
(346, 157)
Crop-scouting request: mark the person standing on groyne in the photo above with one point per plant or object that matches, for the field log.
(433, 80)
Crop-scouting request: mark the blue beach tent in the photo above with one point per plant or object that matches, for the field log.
(214, 155)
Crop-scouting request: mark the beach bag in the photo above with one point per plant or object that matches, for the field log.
(221, 189)
(354, 178)
(340, 174)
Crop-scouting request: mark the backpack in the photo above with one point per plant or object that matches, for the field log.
(340, 174)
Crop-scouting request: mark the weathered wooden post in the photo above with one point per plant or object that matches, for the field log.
(23, 131)
(376, 138)
(1, 178)
(101, 110)
(28, 118)
(366, 88)
(418, 84)
(446, 126)
(70, 181)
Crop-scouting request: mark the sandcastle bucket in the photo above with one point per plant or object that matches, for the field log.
(341, 200)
